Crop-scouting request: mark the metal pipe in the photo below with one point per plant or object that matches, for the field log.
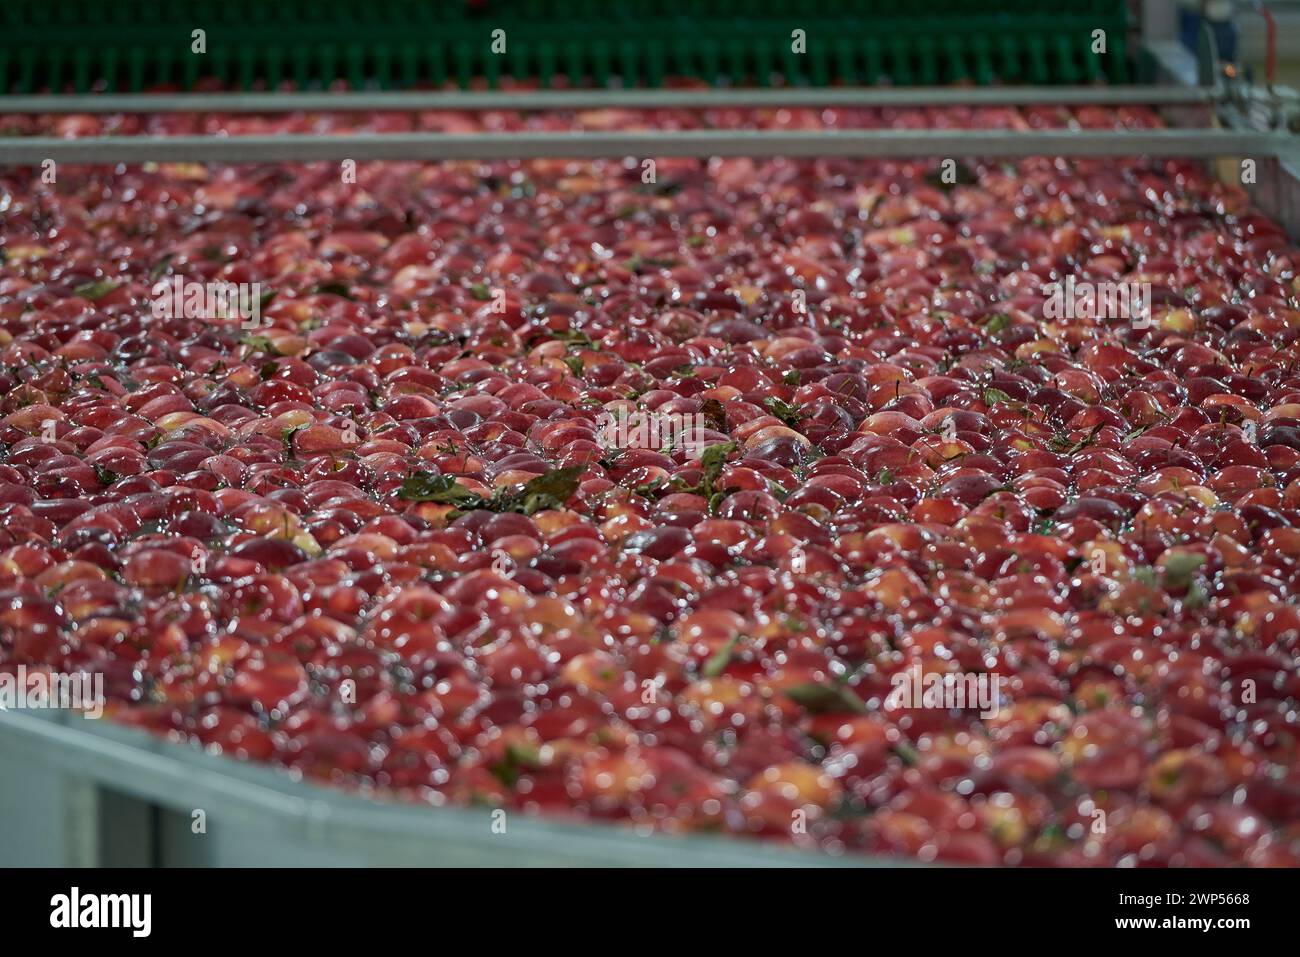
(604, 99)
(1199, 143)
(1270, 42)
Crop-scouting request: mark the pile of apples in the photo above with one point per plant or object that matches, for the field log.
(376, 539)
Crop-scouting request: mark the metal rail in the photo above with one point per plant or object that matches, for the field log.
(605, 99)
(265, 816)
(1199, 143)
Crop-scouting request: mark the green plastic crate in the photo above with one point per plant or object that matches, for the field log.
(134, 44)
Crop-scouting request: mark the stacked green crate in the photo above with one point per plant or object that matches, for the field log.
(134, 44)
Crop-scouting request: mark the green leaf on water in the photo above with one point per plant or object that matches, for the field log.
(576, 338)
(551, 490)
(334, 289)
(712, 462)
(787, 412)
(96, 290)
(718, 662)
(1181, 568)
(907, 753)
(648, 489)
(820, 697)
(260, 344)
(1196, 597)
(1146, 575)
(519, 758)
(428, 487)
(287, 438)
(997, 322)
